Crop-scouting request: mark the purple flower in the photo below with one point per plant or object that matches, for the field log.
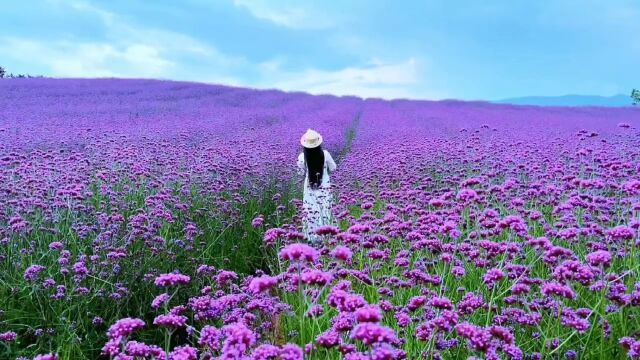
(172, 279)
(97, 321)
(8, 336)
(574, 270)
(467, 195)
(632, 187)
(271, 235)
(299, 252)
(291, 352)
(343, 322)
(210, 337)
(170, 320)
(56, 245)
(478, 338)
(18, 224)
(554, 288)
(446, 321)
(184, 353)
(621, 232)
(316, 277)
(632, 345)
(342, 253)
(49, 356)
(205, 269)
(493, 276)
(458, 271)
(359, 228)
(80, 268)
(441, 303)
(416, 302)
(403, 319)
(32, 272)
(262, 283)
(224, 277)
(574, 320)
(239, 339)
(536, 205)
(124, 327)
(599, 258)
(327, 230)
(139, 349)
(315, 311)
(160, 300)
(345, 301)
(265, 352)
(370, 333)
(257, 222)
(328, 339)
(369, 313)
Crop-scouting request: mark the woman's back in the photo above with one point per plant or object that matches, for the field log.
(328, 167)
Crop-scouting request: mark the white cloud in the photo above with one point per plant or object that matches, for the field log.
(128, 50)
(90, 59)
(289, 13)
(381, 79)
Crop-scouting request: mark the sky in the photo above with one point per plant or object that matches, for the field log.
(429, 49)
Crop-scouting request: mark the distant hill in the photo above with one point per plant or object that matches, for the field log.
(570, 100)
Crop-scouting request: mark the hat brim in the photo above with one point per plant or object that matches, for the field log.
(311, 144)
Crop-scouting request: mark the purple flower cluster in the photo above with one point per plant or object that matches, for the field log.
(33, 272)
(299, 252)
(172, 279)
(8, 336)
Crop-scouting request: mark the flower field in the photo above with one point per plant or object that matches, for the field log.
(145, 219)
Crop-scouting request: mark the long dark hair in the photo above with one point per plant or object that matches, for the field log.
(314, 158)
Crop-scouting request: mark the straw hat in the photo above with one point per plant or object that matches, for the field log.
(311, 139)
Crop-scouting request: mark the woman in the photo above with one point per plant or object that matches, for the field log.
(316, 164)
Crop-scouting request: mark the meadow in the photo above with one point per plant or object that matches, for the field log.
(144, 219)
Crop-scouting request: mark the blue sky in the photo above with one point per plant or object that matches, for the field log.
(464, 49)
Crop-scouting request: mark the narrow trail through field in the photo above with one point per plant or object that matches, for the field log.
(350, 136)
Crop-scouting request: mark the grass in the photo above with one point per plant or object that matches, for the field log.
(226, 240)
(233, 243)
(124, 288)
(595, 344)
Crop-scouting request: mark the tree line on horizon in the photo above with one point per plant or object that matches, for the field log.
(4, 75)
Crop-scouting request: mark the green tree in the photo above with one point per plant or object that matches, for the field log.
(635, 95)
(2, 72)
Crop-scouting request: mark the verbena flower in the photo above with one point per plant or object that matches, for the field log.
(262, 283)
(299, 252)
(8, 336)
(172, 279)
(124, 327)
(33, 272)
(170, 320)
(160, 300)
(370, 333)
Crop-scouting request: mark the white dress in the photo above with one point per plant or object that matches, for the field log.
(317, 202)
